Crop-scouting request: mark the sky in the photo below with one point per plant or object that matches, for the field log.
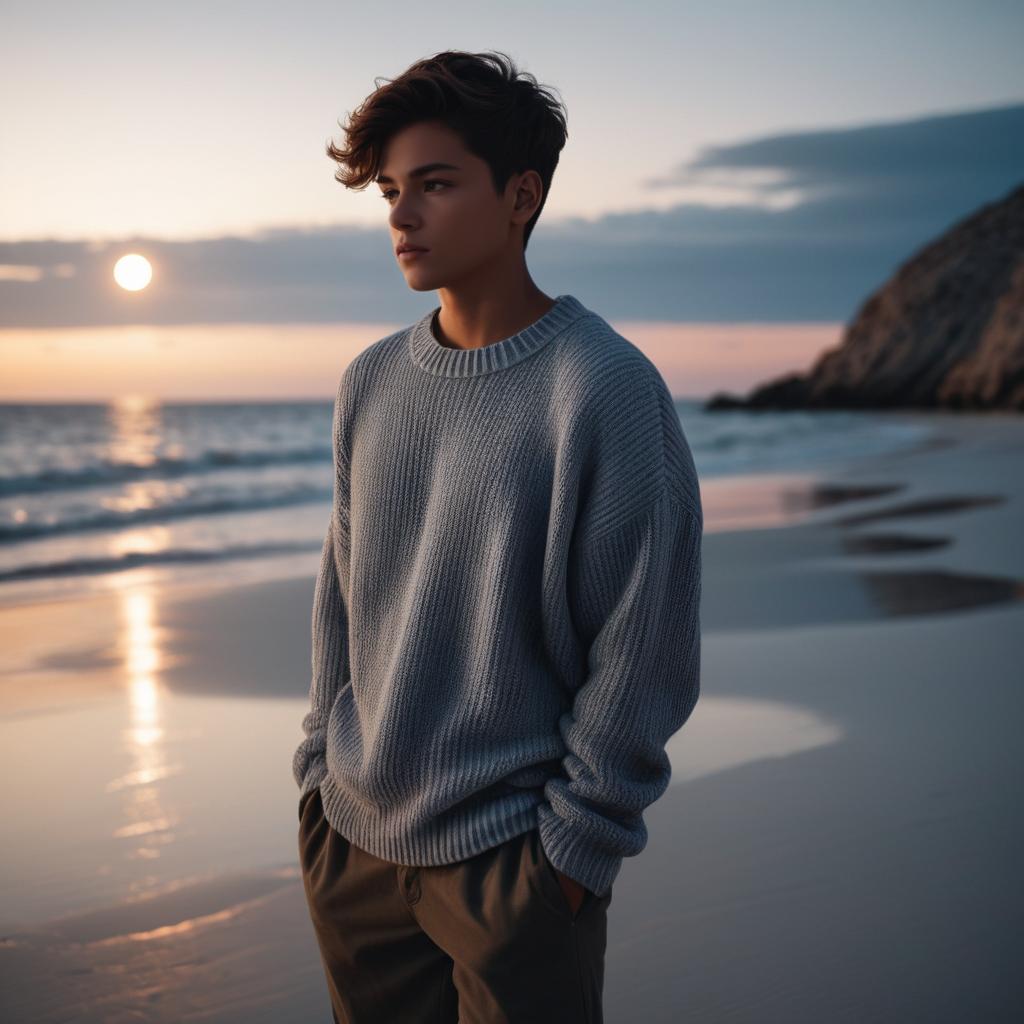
(728, 164)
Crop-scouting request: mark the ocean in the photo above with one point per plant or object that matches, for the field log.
(149, 491)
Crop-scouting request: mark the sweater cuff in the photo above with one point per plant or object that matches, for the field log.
(574, 854)
(309, 763)
(315, 774)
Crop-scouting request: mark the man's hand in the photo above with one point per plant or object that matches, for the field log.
(574, 892)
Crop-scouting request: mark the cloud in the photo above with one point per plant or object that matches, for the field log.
(878, 161)
(815, 222)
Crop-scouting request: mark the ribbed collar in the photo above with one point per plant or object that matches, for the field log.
(442, 361)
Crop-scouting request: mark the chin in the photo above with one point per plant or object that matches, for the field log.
(422, 282)
(420, 286)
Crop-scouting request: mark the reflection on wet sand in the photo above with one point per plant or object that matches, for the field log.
(928, 592)
(923, 591)
(735, 731)
(148, 823)
(177, 908)
(828, 495)
(923, 507)
(890, 543)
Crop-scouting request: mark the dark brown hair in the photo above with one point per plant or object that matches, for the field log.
(501, 114)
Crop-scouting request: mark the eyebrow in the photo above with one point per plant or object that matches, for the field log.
(418, 172)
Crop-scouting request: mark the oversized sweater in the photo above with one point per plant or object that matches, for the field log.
(506, 618)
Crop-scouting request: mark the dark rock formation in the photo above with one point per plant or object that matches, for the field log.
(946, 331)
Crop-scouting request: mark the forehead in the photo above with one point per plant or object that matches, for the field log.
(421, 171)
(422, 148)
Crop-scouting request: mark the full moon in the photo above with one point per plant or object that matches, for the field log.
(133, 272)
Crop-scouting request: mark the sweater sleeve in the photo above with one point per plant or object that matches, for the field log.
(635, 595)
(330, 620)
(329, 669)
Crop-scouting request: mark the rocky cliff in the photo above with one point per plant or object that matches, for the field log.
(945, 331)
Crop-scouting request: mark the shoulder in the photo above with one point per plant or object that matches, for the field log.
(357, 376)
(603, 365)
(627, 427)
(369, 361)
(371, 364)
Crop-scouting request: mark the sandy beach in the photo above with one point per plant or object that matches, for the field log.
(838, 843)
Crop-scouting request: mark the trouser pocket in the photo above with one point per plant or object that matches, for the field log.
(554, 884)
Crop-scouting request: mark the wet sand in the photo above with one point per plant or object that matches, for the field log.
(839, 842)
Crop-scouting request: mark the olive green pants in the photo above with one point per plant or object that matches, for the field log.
(487, 940)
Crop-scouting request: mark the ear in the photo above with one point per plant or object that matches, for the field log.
(528, 194)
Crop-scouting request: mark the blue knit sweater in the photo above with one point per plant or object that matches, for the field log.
(506, 619)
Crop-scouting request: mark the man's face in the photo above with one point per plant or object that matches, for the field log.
(454, 213)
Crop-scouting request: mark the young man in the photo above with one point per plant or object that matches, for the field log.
(506, 625)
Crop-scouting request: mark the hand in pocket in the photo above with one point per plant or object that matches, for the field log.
(574, 892)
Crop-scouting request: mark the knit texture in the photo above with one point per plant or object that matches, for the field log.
(506, 618)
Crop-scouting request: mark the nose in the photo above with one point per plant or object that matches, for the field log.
(401, 215)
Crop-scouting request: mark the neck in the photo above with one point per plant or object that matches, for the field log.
(473, 318)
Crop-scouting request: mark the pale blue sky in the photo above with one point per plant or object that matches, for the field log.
(827, 128)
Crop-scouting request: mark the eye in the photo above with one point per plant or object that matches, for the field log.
(385, 194)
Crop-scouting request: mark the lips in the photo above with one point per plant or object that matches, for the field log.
(410, 248)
